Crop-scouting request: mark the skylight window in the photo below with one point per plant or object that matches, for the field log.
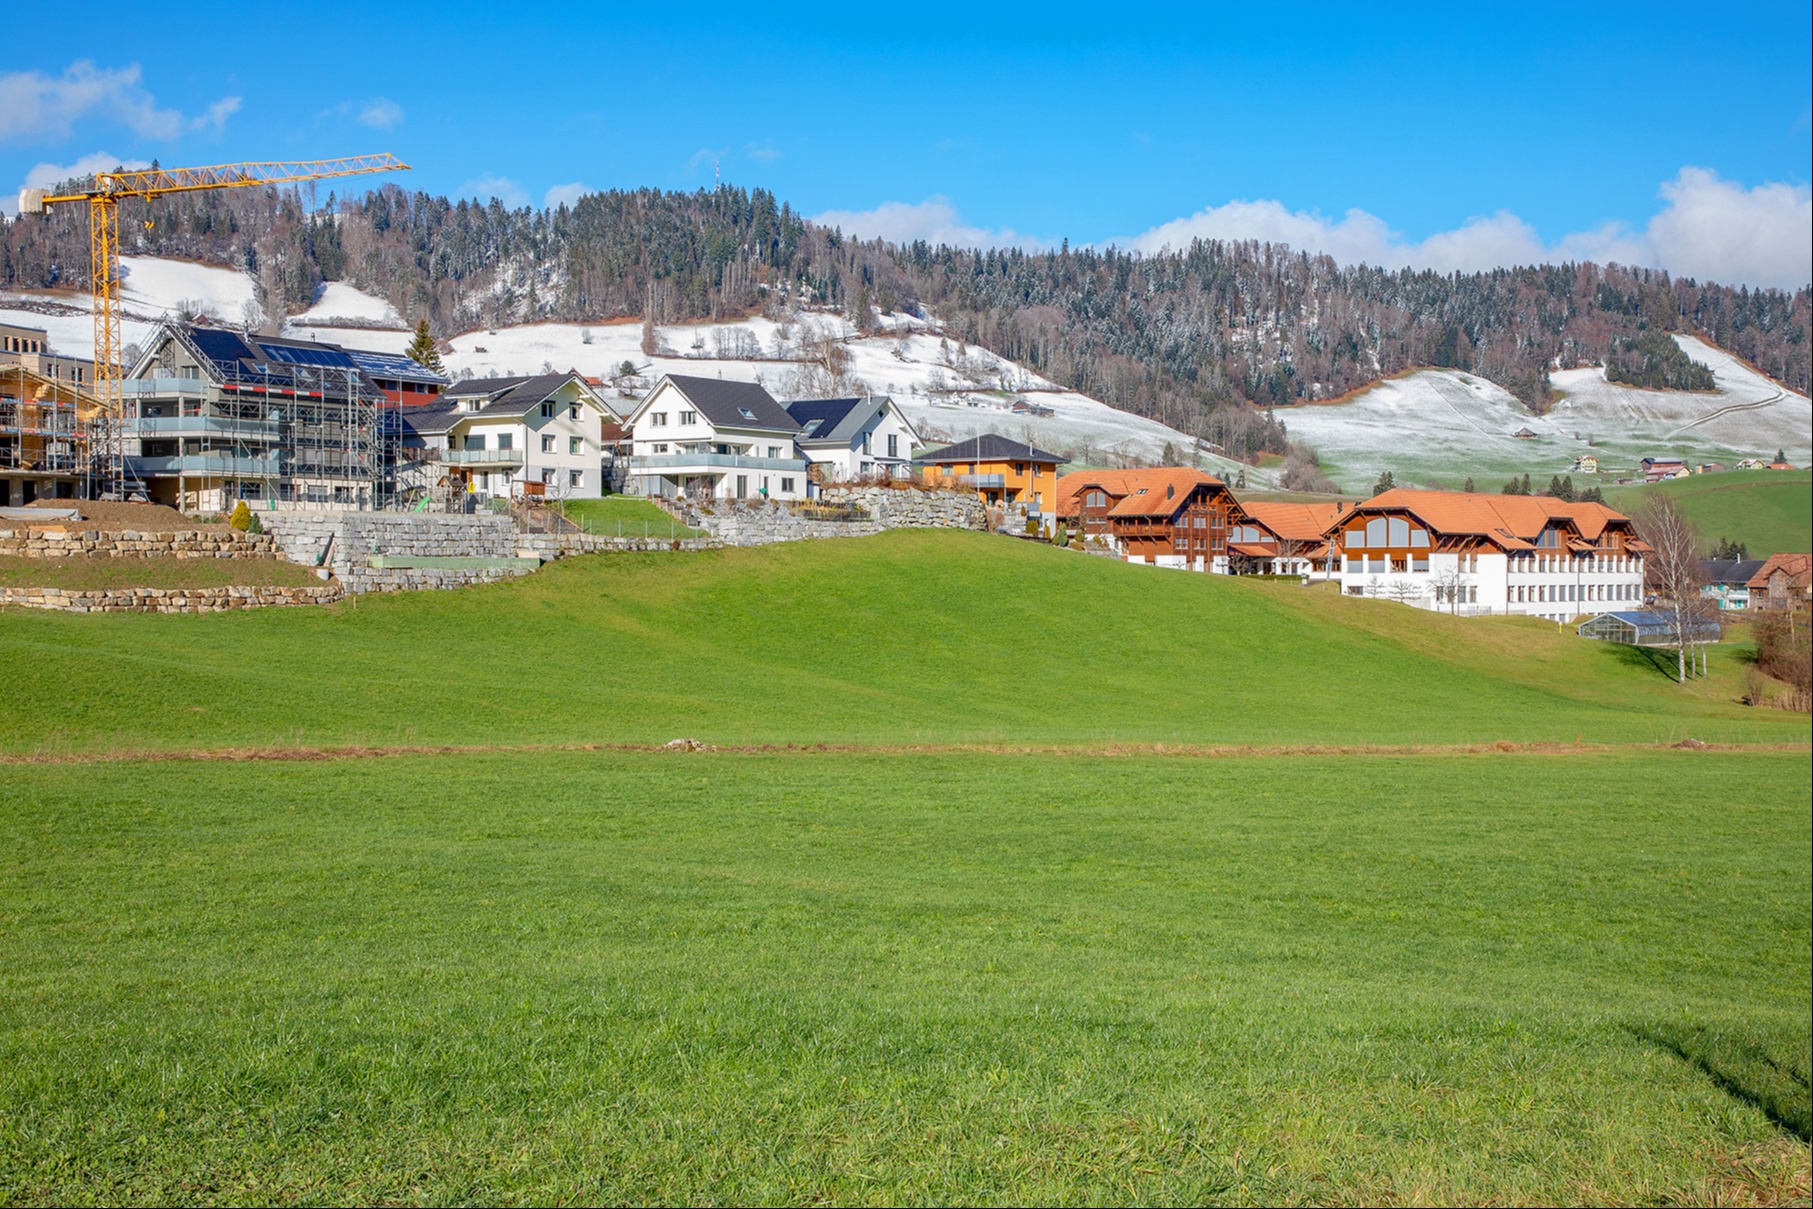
(810, 428)
(746, 413)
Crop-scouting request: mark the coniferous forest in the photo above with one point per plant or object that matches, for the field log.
(1191, 337)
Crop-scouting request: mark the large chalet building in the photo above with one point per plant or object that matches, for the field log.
(1280, 538)
(1471, 553)
(1169, 517)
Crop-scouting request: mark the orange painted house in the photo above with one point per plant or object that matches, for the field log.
(999, 470)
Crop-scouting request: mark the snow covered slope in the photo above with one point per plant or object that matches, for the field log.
(1747, 416)
(150, 287)
(1439, 426)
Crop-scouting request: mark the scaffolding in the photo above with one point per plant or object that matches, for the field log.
(46, 436)
(289, 434)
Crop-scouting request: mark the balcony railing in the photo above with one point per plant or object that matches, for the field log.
(709, 463)
(203, 463)
(983, 481)
(132, 388)
(478, 457)
(159, 426)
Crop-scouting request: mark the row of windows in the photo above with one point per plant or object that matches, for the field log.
(506, 441)
(19, 344)
(1572, 593)
(1544, 564)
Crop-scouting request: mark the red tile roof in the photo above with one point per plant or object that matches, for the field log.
(1511, 522)
(1294, 522)
(1798, 566)
(1163, 491)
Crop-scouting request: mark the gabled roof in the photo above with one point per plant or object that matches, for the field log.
(428, 419)
(989, 447)
(1512, 522)
(835, 421)
(395, 365)
(732, 404)
(510, 397)
(1798, 566)
(483, 388)
(1294, 522)
(1730, 570)
(1070, 488)
(229, 357)
(1163, 491)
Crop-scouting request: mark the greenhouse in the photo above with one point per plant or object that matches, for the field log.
(1648, 628)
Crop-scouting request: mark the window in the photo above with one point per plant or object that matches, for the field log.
(689, 417)
(661, 448)
(547, 478)
(547, 409)
(774, 451)
(575, 445)
(893, 445)
(506, 441)
(547, 443)
(786, 484)
(745, 413)
(865, 442)
(657, 419)
(573, 412)
(575, 478)
(1419, 562)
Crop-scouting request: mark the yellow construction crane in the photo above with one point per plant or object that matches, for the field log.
(103, 200)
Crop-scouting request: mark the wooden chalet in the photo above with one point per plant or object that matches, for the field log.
(1283, 539)
(1171, 516)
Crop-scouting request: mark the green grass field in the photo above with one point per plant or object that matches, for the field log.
(1770, 511)
(86, 573)
(997, 921)
(625, 515)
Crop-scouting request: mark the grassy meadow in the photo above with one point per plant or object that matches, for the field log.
(1021, 876)
(1770, 511)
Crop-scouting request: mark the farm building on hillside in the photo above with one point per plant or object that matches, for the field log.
(1470, 553)
(1785, 581)
(1642, 627)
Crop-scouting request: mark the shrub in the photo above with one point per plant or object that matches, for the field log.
(256, 526)
(241, 518)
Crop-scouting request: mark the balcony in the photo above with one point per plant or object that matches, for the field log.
(478, 457)
(203, 463)
(197, 426)
(983, 482)
(133, 388)
(711, 463)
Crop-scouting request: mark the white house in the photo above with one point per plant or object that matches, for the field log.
(510, 437)
(706, 437)
(856, 438)
(1471, 553)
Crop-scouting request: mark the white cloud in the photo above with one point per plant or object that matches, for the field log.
(763, 152)
(934, 220)
(1708, 228)
(703, 157)
(43, 176)
(39, 107)
(565, 195)
(484, 188)
(380, 113)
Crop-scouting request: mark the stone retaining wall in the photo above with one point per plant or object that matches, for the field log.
(559, 545)
(52, 541)
(761, 523)
(167, 600)
(357, 536)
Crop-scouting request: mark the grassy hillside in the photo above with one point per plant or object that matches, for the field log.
(928, 637)
(800, 978)
(1769, 511)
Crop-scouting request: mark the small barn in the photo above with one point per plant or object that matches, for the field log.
(1643, 627)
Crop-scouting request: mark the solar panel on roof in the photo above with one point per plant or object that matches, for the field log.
(217, 345)
(331, 358)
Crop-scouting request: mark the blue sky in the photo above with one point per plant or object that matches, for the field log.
(1451, 135)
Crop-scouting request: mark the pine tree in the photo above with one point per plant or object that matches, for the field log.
(422, 351)
(1468, 486)
(1525, 489)
(1385, 483)
(1555, 487)
(1567, 488)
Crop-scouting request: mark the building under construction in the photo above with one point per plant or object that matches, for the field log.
(44, 437)
(213, 416)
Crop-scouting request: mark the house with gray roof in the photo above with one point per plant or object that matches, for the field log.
(856, 438)
(712, 438)
(535, 435)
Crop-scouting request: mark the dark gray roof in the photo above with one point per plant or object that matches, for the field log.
(734, 404)
(508, 396)
(839, 420)
(1730, 570)
(989, 447)
(430, 418)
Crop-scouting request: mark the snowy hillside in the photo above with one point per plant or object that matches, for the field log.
(1429, 426)
(1439, 426)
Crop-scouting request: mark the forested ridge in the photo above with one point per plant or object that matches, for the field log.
(1189, 337)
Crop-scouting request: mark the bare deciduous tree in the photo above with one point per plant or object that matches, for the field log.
(1673, 568)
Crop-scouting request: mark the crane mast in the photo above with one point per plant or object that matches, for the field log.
(103, 200)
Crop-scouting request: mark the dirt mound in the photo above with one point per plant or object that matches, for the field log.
(144, 518)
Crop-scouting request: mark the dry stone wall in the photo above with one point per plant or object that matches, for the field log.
(167, 600)
(761, 523)
(51, 541)
(351, 540)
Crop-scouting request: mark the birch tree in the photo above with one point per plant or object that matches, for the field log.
(1673, 568)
